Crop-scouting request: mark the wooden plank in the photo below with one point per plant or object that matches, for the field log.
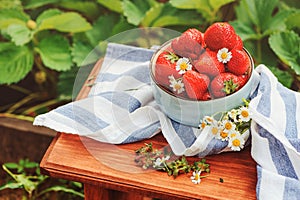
(91, 162)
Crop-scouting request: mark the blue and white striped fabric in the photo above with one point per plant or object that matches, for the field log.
(121, 109)
(276, 138)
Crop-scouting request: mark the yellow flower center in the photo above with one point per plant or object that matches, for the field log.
(223, 134)
(197, 177)
(183, 66)
(236, 142)
(232, 135)
(203, 125)
(245, 113)
(224, 55)
(228, 125)
(214, 130)
(177, 86)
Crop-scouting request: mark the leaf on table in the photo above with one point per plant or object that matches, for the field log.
(66, 22)
(19, 34)
(114, 5)
(15, 62)
(286, 46)
(55, 52)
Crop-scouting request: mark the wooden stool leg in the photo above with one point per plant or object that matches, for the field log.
(93, 192)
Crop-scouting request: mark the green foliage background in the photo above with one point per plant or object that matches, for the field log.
(48, 40)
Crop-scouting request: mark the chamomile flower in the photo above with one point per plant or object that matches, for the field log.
(236, 143)
(222, 135)
(244, 115)
(176, 85)
(233, 115)
(228, 126)
(215, 129)
(196, 178)
(224, 55)
(159, 161)
(183, 65)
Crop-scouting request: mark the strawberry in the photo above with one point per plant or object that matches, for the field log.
(239, 43)
(188, 44)
(208, 64)
(195, 84)
(220, 35)
(239, 63)
(242, 80)
(224, 84)
(165, 67)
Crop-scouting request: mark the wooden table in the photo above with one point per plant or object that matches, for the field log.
(109, 172)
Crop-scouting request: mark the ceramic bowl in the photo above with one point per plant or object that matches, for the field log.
(190, 112)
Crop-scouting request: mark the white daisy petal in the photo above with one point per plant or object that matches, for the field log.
(224, 55)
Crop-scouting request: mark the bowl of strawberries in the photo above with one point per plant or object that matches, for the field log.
(200, 74)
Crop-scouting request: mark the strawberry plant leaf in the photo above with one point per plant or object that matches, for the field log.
(114, 5)
(283, 77)
(89, 9)
(135, 11)
(286, 46)
(12, 16)
(66, 22)
(293, 20)
(15, 62)
(172, 16)
(152, 14)
(260, 12)
(96, 34)
(31, 4)
(19, 34)
(55, 52)
(11, 186)
(47, 14)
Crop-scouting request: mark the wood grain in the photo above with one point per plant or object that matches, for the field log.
(100, 165)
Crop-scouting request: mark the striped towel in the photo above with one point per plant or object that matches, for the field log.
(275, 131)
(121, 109)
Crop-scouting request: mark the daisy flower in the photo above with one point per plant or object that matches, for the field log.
(183, 65)
(159, 161)
(177, 85)
(224, 55)
(228, 126)
(215, 129)
(236, 143)
(196, 178)
(244, 115)
(222, 135)
(233, 115)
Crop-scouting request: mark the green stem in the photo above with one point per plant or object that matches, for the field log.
(23, 101)
(259, 51)
(42, 105)
(22, 117)
(19, 89)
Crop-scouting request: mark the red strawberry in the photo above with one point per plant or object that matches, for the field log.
(239, 43)
(165, 67)
(195, 84)
(208, 64)
(224, 84)
(206, 96)
(220, 35)
(239, 63)
(188, 44)
(242, 80)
